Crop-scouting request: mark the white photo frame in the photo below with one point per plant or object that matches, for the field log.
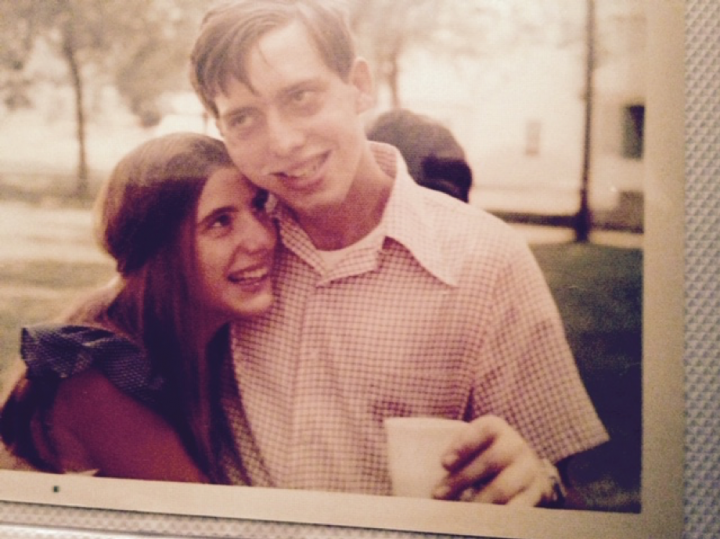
(182, 510)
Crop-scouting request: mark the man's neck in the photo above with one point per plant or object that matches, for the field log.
(340, 226)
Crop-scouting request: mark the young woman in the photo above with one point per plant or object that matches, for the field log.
(128, 383)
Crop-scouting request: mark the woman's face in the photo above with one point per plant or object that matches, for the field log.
(235, 244)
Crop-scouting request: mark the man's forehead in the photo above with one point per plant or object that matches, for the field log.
(275, 65)
(290, 43)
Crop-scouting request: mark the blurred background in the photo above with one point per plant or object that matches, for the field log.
(546, 97)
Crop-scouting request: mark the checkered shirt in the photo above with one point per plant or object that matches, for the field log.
(446, 315)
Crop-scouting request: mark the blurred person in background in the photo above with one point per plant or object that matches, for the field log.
(433, 156)
(128, 383)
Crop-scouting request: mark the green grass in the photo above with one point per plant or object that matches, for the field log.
(598, 290)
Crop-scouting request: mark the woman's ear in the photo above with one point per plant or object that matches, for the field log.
(361, 78)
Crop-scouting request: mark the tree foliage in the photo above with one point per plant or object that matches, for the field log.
(138, 46)
(387, 30)
(141, 47)
(16, 41)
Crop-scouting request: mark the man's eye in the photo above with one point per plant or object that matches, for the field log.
(304, 99)
(301, 96)
(240, 123)
(238, 120)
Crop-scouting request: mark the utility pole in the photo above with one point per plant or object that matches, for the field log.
(583, 219)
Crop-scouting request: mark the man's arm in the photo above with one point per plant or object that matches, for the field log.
(527, 373)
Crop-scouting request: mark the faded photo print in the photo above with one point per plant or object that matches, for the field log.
(384, 248)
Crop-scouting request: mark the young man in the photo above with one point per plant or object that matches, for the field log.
(393, 300)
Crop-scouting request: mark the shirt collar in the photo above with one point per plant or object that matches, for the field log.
(409, 219)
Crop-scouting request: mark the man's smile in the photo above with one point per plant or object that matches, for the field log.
(302, 174)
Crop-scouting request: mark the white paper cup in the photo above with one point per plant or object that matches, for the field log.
(415, 446)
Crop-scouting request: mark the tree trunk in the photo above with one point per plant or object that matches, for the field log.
(81, 187)
(394, 82)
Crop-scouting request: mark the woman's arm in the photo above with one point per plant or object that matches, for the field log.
(97, 426)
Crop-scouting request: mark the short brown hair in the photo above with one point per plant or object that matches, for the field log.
(229, 32)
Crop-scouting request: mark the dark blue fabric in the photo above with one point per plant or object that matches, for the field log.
(59, 351)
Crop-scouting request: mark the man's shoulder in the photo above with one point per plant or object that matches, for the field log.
(457, 239)
(458, 221)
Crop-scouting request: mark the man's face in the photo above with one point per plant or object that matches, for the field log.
(297, 132)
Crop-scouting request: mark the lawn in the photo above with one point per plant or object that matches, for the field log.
(48, 257)
(599, 293)
(36, 290)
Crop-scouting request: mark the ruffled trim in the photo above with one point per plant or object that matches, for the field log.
(58, 351)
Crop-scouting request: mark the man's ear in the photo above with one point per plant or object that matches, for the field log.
(361, 78)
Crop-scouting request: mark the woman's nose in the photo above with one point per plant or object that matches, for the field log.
(256, 235)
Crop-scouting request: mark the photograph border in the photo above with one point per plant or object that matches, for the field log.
(162, 508)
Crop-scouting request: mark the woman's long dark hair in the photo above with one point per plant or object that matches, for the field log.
(145, 216)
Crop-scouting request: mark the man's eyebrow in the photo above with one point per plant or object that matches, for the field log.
(283, 93)
(300, 85)
(304, 84)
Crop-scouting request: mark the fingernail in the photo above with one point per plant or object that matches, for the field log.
(441, 491)
(449, 459)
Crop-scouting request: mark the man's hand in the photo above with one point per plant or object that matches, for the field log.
(491, 463)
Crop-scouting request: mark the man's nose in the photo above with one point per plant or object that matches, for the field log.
(284, 135)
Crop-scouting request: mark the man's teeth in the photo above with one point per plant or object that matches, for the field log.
(307, 170)
(249, 276)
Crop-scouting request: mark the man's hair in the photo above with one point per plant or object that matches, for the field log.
(230, 31)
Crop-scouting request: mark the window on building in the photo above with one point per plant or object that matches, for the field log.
(532, 137)
(633, 127)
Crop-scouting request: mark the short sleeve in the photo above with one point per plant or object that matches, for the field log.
(58, 351)
(533, 382)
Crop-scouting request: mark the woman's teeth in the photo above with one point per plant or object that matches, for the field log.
(244, 277)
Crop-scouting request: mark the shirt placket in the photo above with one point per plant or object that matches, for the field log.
(310, 401)
(317, 423)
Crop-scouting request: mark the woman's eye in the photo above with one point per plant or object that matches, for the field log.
(221, 221)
